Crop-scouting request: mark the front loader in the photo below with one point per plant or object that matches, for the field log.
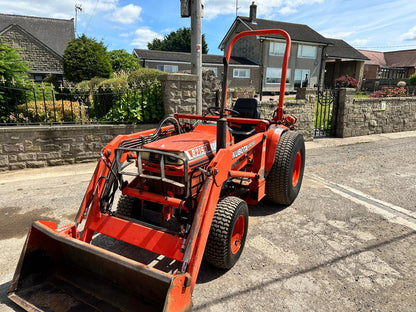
(184, 190)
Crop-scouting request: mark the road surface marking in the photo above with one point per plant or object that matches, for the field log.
(389, 211)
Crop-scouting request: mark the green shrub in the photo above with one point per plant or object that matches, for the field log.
(108, 93)
(412, 79)
(138, 106)
(143, 75)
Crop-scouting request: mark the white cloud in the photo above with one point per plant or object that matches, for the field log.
(144, 35)
(337, 34)
(410, 35)
(265, 8)
(287, 10)
(128, 14)
(360, 42)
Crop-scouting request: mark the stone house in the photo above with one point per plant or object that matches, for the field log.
(309, 56)
(41, 41)
(181, 62)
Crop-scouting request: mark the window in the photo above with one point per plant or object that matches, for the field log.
(241, 73)
(168, 68)
(302, 78)
(307, 51)
(214, 69)
(273, 75)
(277, 48)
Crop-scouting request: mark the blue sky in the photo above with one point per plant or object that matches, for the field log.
(124, 24)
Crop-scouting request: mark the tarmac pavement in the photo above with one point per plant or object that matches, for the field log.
(346, 244)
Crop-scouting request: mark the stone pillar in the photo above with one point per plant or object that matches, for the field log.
(308, 94)
(345, 104)
(178, 93)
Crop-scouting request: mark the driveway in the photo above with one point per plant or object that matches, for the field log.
(348, 243)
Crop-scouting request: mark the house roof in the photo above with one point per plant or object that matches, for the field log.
(405, 58)
(156, 55)
(342, 50)
(374, 58)
(54, 33)
(297, 32)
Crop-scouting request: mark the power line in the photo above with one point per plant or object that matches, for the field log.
(391, 46)
(93, 14)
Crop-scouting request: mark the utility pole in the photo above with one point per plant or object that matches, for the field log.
(196, 50)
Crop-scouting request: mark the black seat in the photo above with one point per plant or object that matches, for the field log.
(247, 108)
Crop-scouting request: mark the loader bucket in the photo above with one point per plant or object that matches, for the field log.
(57, 272)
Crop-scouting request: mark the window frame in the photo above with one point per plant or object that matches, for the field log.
(163, 68)
(238, 71)
(279, 69)
(279, 52)
(301, 51)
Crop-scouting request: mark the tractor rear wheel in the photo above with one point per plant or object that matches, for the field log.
(285, 177)
(228, 232)
(128, 206)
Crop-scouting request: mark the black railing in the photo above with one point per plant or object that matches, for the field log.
(42, 104)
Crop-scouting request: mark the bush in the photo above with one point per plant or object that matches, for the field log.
(121, 60)
(109, 92)
(346, 81)
(143, 75)
(389, 92)
(412, 79)
(56, 111)
(138, 106)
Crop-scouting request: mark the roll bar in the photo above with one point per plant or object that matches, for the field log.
(284, 65)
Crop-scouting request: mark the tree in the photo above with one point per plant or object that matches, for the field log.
(85, 58)
(122, 60)
(177, 41)
(12, 66)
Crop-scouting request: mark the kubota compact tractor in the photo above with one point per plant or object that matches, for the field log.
(185, 187)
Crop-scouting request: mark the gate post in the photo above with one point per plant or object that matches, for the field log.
(345, 103)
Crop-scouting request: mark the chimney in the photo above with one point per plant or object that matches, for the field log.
(253, 12)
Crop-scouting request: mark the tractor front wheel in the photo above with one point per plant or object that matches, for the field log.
(128, 206)
(285, 177)
(228, 232)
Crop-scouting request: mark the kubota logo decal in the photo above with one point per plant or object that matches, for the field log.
(242, 150)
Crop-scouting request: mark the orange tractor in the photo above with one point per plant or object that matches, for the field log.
(185, 189)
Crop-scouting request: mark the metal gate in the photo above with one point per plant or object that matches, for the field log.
(326, 112)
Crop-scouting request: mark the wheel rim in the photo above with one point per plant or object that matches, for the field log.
(238, 233)
(296, 169)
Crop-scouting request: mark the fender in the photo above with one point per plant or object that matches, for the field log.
(273, 136)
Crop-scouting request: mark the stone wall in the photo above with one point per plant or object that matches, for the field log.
(34, 147)
(366, 116)
(40, 57)
(303, 107)
(179, 92)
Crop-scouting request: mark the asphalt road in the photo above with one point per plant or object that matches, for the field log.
(348, 243)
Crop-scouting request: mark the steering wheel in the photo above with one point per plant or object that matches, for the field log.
(216, 110)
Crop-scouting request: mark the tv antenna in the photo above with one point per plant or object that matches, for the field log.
(78, 8)
(236, 8)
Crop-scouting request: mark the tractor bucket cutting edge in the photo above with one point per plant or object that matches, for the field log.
(59, 273)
